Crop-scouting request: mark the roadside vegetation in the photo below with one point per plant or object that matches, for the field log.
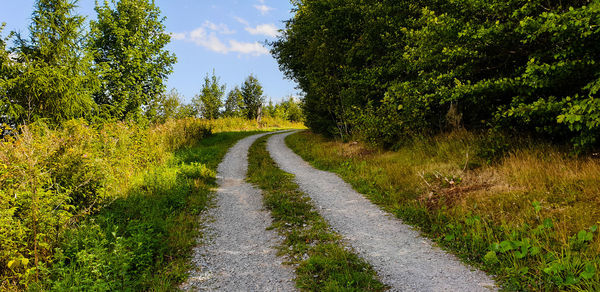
(101, 170)
(67, 195)
(491, 109)
(321, 260)
(521, 209)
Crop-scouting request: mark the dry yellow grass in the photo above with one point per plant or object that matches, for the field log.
(434, 172)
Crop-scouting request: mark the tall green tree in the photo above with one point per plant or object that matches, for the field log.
(7, 71)
(292, 109)
(252, 95)
(128, 41)
(384, 70)
(234, 103)
(209, 102)
(342, 54)
(53, 81)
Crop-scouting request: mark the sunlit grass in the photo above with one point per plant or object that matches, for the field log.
(143, 240)
(443, 185)
(53, 178)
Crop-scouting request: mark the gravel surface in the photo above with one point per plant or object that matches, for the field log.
(403, 259)
(237, 252)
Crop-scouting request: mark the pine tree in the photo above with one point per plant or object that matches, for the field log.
(8, 108)
(234, 103)
(54, 81)
(252, 94)
(210, 101)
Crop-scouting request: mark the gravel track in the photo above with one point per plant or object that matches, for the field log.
(237, 253)
(403, 259)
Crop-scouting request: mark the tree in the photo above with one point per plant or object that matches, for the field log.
(269, 109)
(128, 41)
(7, 71)
(234, 103)
(293, 111)
(252, 94)
(170, 106)
(210, 101)
(388, 69)
(52, 79)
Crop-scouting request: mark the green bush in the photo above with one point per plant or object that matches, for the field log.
(52, 179)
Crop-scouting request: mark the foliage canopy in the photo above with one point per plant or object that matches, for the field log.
(128, 41)
(387, 69)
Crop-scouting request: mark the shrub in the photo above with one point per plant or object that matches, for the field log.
(52, 178)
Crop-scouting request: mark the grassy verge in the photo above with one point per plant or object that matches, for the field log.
(143, 240)
(527, 213)
(322, 262)
(53, 178)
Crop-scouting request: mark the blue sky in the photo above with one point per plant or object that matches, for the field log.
(225, 35)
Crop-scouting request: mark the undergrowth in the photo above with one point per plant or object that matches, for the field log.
(522, 210)
(143, 240)
(52, 179)
(322, 262)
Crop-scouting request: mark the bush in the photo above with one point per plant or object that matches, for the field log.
(51, 179)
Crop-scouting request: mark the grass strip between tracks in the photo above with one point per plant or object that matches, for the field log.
(321, 260)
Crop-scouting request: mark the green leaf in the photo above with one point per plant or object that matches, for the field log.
(490, 258)
(505, 246)
(588, 272)
(584, 236)
(548, 223)
(570, 280)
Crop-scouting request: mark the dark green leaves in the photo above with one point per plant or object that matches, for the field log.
(384, 70)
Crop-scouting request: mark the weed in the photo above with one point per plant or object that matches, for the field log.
(51, 180)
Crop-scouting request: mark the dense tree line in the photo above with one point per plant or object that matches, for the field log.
(387, 69)
(116, 70)
(245, 101)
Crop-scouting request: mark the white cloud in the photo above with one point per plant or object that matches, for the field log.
(263, 29)
(220, 28)
(241, 20)
(178, 36)
(207, 37)
(210, 41)
(255, 49)
(264, 9)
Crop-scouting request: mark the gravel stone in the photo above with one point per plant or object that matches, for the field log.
(403, 259)
(237, 252)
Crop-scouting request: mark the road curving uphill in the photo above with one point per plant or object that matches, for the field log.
(404, 260)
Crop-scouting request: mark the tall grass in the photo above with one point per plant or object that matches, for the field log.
(142, 241)
(523, 210)
(52, 179)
